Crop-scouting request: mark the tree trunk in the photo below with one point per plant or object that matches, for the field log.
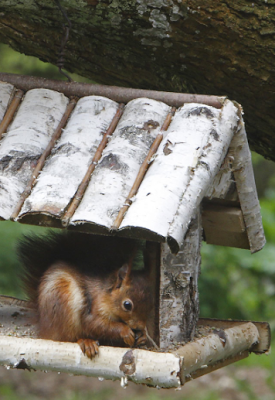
(221, 48)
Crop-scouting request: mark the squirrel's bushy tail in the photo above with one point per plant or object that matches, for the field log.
(88, 252)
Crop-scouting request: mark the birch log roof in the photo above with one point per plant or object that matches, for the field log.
(86, 182)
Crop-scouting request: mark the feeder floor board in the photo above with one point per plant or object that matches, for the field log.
(218, 343)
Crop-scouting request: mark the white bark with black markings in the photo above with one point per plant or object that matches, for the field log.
(116, 172)
(138, 366)
(26, 138)
(71, 156)
(161, 370)
(184, 167)
(6, 90)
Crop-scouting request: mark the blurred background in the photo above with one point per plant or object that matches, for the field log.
(233, 284)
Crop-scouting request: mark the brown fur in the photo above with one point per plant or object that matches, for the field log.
(86, 305)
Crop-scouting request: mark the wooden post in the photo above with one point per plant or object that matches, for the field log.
(152, 263)
(179, 297)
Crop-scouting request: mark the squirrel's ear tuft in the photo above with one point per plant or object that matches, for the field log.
(123, 275)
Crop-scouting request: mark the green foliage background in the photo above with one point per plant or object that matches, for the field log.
(233, 283)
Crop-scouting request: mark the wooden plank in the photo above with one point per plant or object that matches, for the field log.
(17, 318)
(229, 219)
(152, 263)
(224, 226)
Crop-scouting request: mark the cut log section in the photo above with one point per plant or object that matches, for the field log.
(42, 159)
(69, 161)
(184, 167)
(26, 139)
(116, 172)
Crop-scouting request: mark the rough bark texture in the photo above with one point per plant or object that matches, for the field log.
(223, 48)
(246, 188)
(179, 297)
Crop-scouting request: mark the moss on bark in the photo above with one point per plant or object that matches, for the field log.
(222, 48)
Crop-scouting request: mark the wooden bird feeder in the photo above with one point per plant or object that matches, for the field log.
(170, 169)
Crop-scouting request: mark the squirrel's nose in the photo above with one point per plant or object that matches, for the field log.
(137, 325)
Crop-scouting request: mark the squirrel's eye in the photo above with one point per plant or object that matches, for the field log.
(127, 305)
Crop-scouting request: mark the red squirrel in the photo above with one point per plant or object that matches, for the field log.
(85, 291)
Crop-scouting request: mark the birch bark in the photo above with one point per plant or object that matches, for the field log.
(69, 159)
(26, 138)
(246, 188)
(179, 296)
(6, 90)
(116, 172)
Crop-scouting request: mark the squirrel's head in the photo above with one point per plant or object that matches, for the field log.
(131, 298)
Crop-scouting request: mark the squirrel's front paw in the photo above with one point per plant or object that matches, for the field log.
(89, 347)
(127, 335)
(140, 338)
